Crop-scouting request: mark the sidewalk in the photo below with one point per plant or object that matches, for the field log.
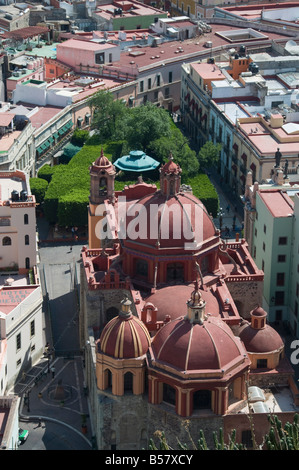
(230, 213)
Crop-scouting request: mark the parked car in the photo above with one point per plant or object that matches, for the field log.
(23, 434)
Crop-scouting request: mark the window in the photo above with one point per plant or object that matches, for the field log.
(32, 328)
(261, 363)
(170, 77)
(296, 309)
(6, 241)
(144, 99)
(142, 267)
(158, 80)
(156, 96)
(26, 239)
(110, 57)
(263, 265)
(166, 92)
(100, 58)
(27, 263)
(281, 258)
(279, 298)
(282, 240)
(18, 341)
(18, 362)
(264, 246)
(149, 83)
(280, 279)
(141, 86)
(265, 229)
(169, 394)
(26, 219)
(278, 315)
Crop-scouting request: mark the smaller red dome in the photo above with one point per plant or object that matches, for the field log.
(171, 167)
(125, 337)
(262, 340)
(258, 312)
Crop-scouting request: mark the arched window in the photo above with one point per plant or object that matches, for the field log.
(108, 379)
(27, 263)
(103, 185)
(128, 382)
(202, 399)
(26, 219)
(169, 394)
(26, 239)
(6, 241)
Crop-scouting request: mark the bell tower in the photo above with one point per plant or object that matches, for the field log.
(102, 175)
(170, 178)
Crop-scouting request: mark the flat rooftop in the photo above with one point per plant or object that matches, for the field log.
(12, 296)
(278, 202)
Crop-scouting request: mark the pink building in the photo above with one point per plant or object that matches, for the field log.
(86, 56)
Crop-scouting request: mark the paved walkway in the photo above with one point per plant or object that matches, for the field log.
(59, 398)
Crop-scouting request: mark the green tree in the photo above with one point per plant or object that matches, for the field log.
(209, 154)
(107, 113)
(143, 125)
(38, 188)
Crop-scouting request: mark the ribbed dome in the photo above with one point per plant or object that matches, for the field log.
(260, 340)
(180, 220)
(198, 347)
(124, 337)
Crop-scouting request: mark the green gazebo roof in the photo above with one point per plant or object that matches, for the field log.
(136, 161)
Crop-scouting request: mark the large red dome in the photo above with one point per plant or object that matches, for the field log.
(164, 222)
(210, 346)
(162, 299)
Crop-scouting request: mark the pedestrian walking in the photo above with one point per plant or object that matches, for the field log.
(53, 372)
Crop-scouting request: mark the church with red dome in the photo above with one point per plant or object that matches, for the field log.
(170, 316)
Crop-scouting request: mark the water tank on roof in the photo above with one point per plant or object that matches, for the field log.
(254, 68)
(242, 51)
(14, 195)
(23, 195)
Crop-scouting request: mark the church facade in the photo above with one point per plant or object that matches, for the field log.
(170, 320)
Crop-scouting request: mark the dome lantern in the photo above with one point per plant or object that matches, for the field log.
(126, 308)
(196, 307)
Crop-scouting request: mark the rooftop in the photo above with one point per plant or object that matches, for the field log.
(278, 202)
